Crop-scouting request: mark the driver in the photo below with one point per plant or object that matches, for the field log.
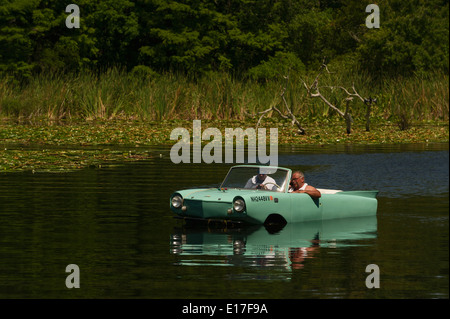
(260, 180)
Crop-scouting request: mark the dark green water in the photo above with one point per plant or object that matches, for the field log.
(115, 224)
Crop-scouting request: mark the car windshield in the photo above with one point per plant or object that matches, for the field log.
(264, 178)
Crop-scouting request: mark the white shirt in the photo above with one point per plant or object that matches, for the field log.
(300, 189)
(253, 183)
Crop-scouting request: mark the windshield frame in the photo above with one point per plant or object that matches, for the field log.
(284, 185)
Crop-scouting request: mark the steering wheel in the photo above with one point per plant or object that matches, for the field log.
(265, 185)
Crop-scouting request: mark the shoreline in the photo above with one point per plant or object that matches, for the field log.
(46, 146)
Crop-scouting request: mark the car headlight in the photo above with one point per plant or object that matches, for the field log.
(239, 205)
(177, 201)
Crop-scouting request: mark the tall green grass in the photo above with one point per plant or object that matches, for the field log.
(419, 98)
(220, 96)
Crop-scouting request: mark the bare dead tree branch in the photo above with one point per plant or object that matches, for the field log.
(314, 92)
(347, 116)
(354, 36)
(354, 94)
(289, 114)
(369, 103)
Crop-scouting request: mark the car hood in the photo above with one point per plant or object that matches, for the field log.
(215, 194)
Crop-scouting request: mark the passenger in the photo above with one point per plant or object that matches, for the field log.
(260, 180)
(298, 185)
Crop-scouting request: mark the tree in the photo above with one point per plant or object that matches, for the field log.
(16, 47)
(413, 38)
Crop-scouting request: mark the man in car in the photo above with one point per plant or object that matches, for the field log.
(298, 185)
(261, 181)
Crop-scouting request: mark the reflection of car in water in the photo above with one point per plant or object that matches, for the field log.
(258, 246)
(239, 200)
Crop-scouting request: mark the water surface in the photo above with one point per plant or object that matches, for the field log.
(115, 224)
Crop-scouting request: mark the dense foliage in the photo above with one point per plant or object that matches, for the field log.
(243, 37)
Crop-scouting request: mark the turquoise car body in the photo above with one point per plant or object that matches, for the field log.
(267, 205)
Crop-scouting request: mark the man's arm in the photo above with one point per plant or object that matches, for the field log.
(311, 191)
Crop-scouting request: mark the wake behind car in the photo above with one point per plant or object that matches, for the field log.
(260, 194)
